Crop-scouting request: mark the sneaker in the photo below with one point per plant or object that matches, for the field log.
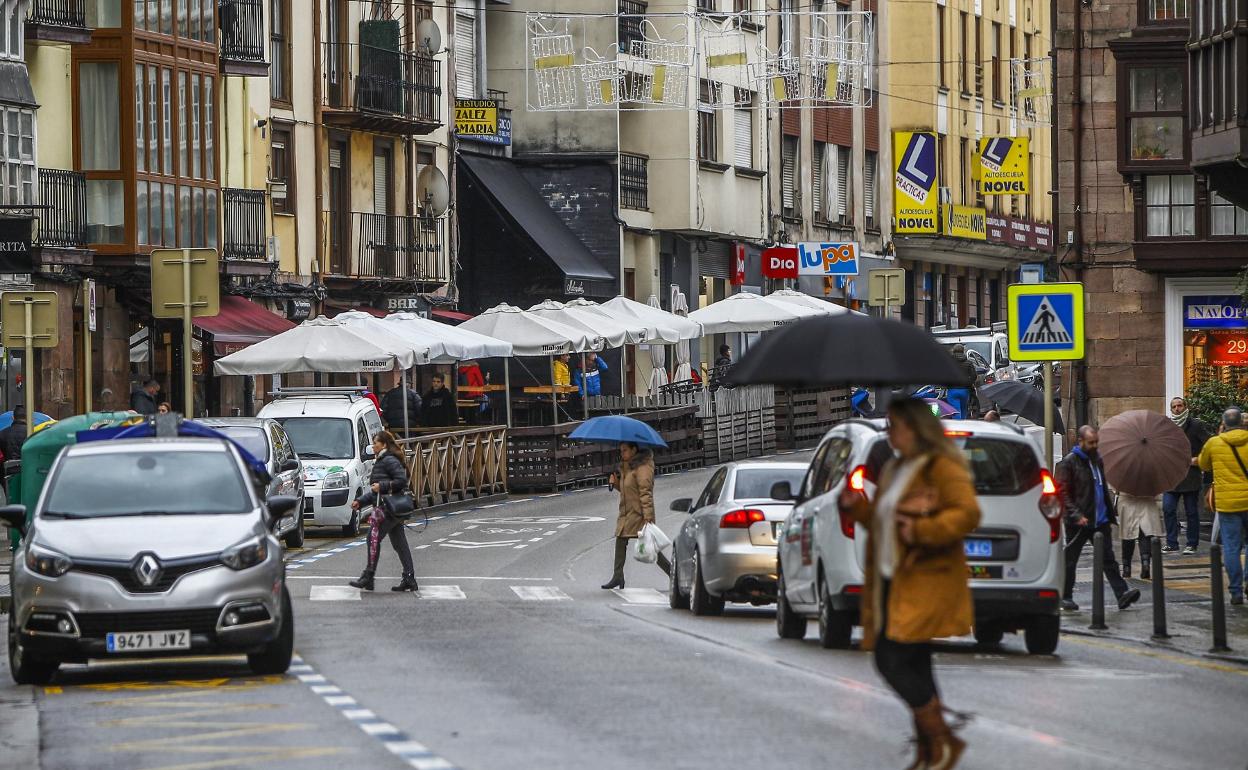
(1189, 550)
(1169, 548)
(1129, 598)
(1237, 599)
(1068, 605)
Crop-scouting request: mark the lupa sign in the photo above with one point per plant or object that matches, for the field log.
(828, 258)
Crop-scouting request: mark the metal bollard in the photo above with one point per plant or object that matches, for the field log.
(1159, 593)
(1098, 582)
(1219, 600)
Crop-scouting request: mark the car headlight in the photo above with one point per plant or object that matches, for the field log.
(246, 554)
(337, 480)
(46, 562)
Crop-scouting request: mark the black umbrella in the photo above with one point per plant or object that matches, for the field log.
(844, 350)
(1020, 398)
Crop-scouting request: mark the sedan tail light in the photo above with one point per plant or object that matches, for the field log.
(741, 519)
(1050, 505)
(857, 482)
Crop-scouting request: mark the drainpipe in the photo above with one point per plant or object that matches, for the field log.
(318, 134)
(1076, 116)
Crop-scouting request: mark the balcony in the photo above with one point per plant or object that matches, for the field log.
(389, 250)
(377, 89)
(57, 21)
(63, 212)
(242, 38)
(1218, 79)
(243, 219)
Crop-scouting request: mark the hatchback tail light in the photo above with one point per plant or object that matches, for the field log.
(1050, 505)
(857, 482)
(741, 519)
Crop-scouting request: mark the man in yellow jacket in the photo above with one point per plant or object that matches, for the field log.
(1226, 454)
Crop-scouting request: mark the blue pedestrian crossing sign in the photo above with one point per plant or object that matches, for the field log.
(1045, 321)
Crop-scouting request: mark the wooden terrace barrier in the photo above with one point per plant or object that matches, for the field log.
(451, 466)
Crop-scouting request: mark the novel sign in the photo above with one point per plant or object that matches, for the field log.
(966, 222)
(1004, 165)
(914, 180)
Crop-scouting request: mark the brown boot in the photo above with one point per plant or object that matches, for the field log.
(922, 755)
(943, 747)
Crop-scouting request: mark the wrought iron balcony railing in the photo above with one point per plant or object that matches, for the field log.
(384, 90)
(63, 212)
(243, 220)
(242, 37)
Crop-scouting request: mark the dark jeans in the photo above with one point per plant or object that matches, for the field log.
(388, 526)
(621, 556)
(1074, 548)
(1170, 509)
(907, 667)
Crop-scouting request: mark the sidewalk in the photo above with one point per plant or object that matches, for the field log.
(1189, 618)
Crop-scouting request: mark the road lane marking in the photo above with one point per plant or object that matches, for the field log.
(541, 594)
(534, 539)
(470, 544)
(442, 592)
(640, 595)
(549, 533)
(379, 728)
(334, 594)
(325, 689)
(418, 577)
(522, 545)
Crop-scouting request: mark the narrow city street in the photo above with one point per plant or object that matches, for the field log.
(513, 657)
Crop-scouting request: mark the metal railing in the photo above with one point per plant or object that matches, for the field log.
(382, 81)
(242, 30)
(58, 13)
(401, 247)
(243, 215)
(630, 18)
(63, 218)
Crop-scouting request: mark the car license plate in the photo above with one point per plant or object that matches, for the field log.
(984, 571)
(139, 641)
(978, 548)
(777, 527)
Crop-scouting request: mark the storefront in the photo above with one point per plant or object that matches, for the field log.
(1206, 333)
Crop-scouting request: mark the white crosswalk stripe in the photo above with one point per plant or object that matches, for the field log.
(641, 595)
(334, 594)
(441, 592)
(540, 594)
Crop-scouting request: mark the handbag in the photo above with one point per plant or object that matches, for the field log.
(400, 505)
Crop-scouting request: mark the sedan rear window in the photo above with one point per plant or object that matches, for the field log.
(1000, 467)
(756, 483)
(251, 439)
(147, 482)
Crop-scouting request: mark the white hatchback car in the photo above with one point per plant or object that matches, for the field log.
(1015, 555)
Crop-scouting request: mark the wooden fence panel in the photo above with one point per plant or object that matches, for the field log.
(457, 465)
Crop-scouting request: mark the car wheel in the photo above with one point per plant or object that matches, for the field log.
(675, 599)
(988, 634)
(294, 539)
(1042, 633)
(274, 658)
(24, 667)
(352, 528)
(700, 600)
(789, 625)
(836, 627)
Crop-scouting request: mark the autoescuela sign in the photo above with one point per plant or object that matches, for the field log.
(479, 119)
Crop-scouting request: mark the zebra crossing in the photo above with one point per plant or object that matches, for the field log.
(514, 593)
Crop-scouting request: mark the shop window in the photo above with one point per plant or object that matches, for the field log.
(1170, 206)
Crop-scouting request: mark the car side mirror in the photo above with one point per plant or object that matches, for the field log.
(367, 453)
(291, 464)
(281, 505)
(682, 504)
(782, 491)
(14, 517)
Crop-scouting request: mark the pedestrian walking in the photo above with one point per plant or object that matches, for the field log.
(392, 407)
(1139, 520)
(437, 406)
(1089, 508)
(1226, 455)
(916, 578)
(389, 477)
(960, 397)
(12, 437)
(635, 483)
(1188, 490)
(143, 398)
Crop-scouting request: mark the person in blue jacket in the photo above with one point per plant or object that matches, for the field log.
(589, 380)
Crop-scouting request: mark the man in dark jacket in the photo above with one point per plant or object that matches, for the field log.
(960, 397)
(438, 405)
(1188, 489)
(1089, 509)
(392, 407)
(143, 399)
(12, 437)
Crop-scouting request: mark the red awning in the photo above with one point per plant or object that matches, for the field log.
(450, 315)
(240, 323)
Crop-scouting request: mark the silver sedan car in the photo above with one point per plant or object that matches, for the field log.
(726, 549)
(148, 547)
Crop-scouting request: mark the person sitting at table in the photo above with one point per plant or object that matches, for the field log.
(589, 380)
(471, 380)
(438, 407)
(563, 374)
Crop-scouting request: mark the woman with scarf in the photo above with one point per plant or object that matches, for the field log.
(389, 477)
(635, 482)
(916, 578)
(1188, 490)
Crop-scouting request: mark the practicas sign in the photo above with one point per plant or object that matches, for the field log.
(780, 262)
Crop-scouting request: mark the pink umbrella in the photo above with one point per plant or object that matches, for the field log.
(1145, 453)
(941, 409)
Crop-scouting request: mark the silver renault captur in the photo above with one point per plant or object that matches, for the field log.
(149, 547)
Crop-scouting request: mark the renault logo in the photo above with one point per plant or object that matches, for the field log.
(147, 569)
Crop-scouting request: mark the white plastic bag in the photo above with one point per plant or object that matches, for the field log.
(650, 542)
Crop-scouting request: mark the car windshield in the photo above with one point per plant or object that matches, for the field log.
(251, 439)
(148, 481)
(982, 347)
(1000, 467)
(320, 438)
(756, 483)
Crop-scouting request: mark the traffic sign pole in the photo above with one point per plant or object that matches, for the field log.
(1048, 415)
(29, 309)
(87, 328)
(188, 371)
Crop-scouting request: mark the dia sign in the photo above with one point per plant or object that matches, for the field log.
(780, 262)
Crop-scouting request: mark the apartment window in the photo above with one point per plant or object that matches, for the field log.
(1166, 10)
(743, 130)
(965, 50)
(426, 155)
(819, 192)
(12, 37)
(869, 182)
(634, 182)
(99, 142)
(788, 27)
(279, 50)
(942, 147)
(979, 56)
(996, 63)
(195, 19)
(942, 54)
(1155, 119)
(708, 124)
(964, 167)
(17, 172)
(844, 208)
(707, 6)
(1225, 217)
(465, 56)
(631, 15)
(282, 174)
(742, 6)
(1170, 205)
(788, 175)
(103, 14)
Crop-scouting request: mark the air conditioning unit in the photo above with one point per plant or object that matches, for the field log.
(946, 196)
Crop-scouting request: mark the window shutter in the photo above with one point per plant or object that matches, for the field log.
(868, 187)
(842, 182)
(743, 133)
(381, 184)
(716, 261)
(788, 164)
(817, 188)
(335, 157)
(465, 56)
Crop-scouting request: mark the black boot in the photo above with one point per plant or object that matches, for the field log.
(408, 583)
(615, 583)
(365, 581)
(1146, 557)
(617, 574)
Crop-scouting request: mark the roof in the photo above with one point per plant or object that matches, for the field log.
(240, 323)
(178, 444)
(315, 406)
(233, 422)
(747, 465)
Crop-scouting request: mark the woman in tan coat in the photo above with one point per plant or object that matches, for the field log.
(916, 585)
(635, 482)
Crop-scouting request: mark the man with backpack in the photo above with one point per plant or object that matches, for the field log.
(1226, 455)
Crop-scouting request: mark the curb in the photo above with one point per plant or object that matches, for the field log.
(1148, 642)
(21, 720)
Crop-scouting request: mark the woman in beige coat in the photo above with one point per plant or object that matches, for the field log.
(1138, 518)
(916, 578)
(635, 483)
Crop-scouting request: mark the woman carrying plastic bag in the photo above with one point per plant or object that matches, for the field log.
(635, 482)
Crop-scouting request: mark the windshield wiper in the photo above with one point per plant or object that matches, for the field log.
(314, 456)
(65, 515)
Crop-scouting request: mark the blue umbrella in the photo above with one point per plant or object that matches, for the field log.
(614, 428)
(6, 419)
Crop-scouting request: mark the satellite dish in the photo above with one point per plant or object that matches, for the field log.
(428, 37)
(432, 191)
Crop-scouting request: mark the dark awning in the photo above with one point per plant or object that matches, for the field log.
(240, 323)
(529, 213)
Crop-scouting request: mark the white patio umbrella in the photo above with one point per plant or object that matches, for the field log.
(658, 357)
(661, 326)
(387, 334)
(316, 345)
(583, 315)
(680, 307)
(807, 301)
(456, 342)
(746, 312)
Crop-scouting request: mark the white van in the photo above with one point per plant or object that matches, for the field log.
(332, 431)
